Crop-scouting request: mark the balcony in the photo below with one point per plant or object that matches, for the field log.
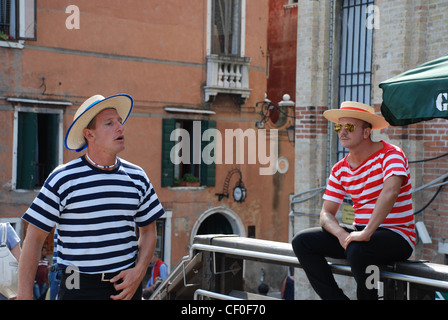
(228, 75)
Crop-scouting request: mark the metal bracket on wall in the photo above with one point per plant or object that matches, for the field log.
(185, 277)
(234, 268)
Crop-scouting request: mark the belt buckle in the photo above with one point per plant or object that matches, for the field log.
(103, 275)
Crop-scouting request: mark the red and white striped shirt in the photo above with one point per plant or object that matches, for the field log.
(364, 185)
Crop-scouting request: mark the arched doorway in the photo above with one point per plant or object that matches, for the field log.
(215, 223)
(218, 220)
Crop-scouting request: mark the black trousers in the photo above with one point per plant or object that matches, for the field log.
(89, 287)
(311, 246)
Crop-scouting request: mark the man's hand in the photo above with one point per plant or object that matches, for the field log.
(130, 280)
(355, 236)
(329, 222)
(127, 281)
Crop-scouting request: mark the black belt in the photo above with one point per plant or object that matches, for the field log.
(103, 277)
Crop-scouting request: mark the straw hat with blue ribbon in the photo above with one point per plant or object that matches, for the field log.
(74, 138)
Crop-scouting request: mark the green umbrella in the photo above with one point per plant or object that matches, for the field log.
(418, 94)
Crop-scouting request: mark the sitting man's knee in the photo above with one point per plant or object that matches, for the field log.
(357, 253)
(299, 242)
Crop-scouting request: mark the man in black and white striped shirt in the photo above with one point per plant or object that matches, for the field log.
(96, 202)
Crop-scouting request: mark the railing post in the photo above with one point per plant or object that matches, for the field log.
(227, 273)
(207, 279)
(394, 290)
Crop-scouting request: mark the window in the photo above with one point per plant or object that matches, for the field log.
(227, 66)
(251, 231)
(160, 248)
(160, 244)
(17, 20)
(355, 69)
(226, 27)
(190, 147)
(37, 146)
(189, 151)
(16, 223)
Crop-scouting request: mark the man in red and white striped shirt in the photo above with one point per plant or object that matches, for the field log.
(375, 174)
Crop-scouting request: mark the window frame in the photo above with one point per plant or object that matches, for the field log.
(39, 110)
(207, 172)
(242, 25)
(25, 16)
(353, 66)
(24, 23)
(230, 34)
(16, 223)
(194, 168)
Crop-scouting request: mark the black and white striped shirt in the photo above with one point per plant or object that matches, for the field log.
(96, 213)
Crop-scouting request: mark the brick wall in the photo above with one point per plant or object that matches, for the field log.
(310, 123)
(410, 34)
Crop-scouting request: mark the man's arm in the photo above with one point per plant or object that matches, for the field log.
(329, 222)
(133, 277)
(384, 204)
(29, 259)
(16, 252)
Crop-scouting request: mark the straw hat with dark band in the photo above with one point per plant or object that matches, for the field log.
(74, 138)
(357, 110)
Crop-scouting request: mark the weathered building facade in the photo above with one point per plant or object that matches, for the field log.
(199, 68)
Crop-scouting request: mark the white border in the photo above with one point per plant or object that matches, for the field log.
(18, 109)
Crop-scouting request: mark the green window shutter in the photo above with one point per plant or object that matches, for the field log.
(48, 143)
(208, 171)
(168, 126)
(26, 150)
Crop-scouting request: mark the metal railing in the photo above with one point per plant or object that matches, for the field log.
(198, 294)
(343, 269)
(432, 277)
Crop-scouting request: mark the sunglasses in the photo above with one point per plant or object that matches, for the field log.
(350, 127)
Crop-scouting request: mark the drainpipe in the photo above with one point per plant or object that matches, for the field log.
(330, 76)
